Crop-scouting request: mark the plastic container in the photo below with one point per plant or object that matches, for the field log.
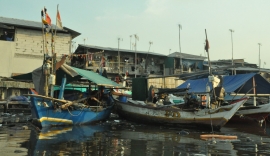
(123, 98)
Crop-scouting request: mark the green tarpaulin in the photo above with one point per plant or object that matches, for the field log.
(89, 75)
(96, 78)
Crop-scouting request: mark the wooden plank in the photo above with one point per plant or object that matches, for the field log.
(46, 97)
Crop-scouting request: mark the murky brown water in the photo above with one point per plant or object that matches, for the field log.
(117, 137)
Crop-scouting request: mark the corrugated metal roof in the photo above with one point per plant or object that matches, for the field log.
(253, 69)
(33, 25)
(22, 23)
(116, 49)
(239, 68)
(187, 56)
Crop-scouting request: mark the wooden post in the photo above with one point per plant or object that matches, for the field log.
(254, 92)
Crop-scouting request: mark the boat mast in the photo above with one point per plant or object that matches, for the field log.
(46, 64)
(210, 77)
(207, 50)
(53, 70)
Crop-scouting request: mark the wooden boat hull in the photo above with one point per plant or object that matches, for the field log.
(165, 115)
(46, 115)
(252, 113)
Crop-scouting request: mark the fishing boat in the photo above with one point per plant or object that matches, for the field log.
(157, 112)
(53, 108)
(251, 112)
(93, 106)
(237, 87)
(144, 112)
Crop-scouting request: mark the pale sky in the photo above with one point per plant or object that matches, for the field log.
(102, 22)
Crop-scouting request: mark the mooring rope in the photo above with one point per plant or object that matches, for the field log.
(73, 114)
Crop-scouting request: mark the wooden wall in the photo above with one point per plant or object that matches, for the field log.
(25, 53)
(167, 82)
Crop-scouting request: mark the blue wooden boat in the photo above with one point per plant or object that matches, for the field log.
(89, 107)
(47, 115)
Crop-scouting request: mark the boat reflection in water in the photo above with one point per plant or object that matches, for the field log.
(127, 139)
(74, 140)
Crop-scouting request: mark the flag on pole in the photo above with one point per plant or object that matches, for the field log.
(43, 19)
(58, 20)
(47, 17)
(136, 37)
(46, 20)
(206, 45)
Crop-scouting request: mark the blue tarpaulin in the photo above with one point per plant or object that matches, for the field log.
(232, 83)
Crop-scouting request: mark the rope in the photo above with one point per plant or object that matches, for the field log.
(73, 114)
(211, 123)
(265, 125)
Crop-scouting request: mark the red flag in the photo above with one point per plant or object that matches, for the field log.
(206, 45)
(48, 19)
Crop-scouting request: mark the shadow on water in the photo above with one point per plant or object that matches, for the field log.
(119, 137)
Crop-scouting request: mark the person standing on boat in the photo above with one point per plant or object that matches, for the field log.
(219, 92)
(151, 94)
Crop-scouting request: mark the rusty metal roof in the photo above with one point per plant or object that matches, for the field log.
(187, 56)
(83, 46)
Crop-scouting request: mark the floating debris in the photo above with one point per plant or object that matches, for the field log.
(182, 132)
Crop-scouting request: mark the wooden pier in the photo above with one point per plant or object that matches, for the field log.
(10, 87)
(15, 106)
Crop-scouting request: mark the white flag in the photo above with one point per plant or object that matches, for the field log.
(58, 20)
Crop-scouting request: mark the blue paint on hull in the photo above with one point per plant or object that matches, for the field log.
(48, 116)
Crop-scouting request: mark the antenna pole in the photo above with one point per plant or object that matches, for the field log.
(233, 69)
(259, 56)
(181, 64)
(150, 43)
(118, 56)
(136, 37)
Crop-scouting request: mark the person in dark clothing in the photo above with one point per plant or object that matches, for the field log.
(7, 37)
(220, 94)
(104, 73)
(150, 94)
(2, 37)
